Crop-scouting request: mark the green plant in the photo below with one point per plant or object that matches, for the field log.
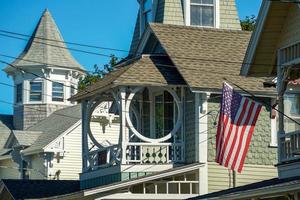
(98, 73)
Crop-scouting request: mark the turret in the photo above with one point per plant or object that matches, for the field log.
(45, 75)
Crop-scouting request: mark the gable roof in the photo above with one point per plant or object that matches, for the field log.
(204, 56)
(45, 46)
(36, 189)
(6, 125)
(261, 53)
(26, 138)
(53, 126)
(142, 71)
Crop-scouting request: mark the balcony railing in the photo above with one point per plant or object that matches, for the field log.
(136, 153)
(104, 157)
(290, 146)
(154, 153)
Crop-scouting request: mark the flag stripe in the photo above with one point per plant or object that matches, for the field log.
(228, 134)
(241, 119)
(239, 134)
(240, 143)
(244, 141)
(248, 140)
(237, 119)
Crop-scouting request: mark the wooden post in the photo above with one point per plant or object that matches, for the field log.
(234, 178)
(280, 90)
(123, 123)
(84, 133)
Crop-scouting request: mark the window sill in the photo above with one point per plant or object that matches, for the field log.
(273, 146)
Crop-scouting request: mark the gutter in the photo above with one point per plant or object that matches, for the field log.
(262, 192)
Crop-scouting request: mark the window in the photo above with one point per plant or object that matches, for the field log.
(164, 114)
(201, 12)
(35, 91)
(19, 93)
(292, 109)
(57, 91)
(146, 14)
(72, 90)
(102, 157)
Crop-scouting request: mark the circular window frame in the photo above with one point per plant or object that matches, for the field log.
(152, 140)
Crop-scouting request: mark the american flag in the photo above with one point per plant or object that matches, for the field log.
(237, 119)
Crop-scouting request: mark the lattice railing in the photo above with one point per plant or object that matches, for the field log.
(290, 146)
(154, 153)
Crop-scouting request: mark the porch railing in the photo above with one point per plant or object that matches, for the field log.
(154, 153)
(104, 157)
(290, 146)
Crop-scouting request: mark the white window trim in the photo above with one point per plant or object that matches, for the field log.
(187, 14)
(274, 142)
(42, 92)
(64, 92)
(16, 93)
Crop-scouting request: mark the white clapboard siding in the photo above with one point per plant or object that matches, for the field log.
(107, 132)
(9, 169)
(37, 166)
(219, 176)
(70, 165)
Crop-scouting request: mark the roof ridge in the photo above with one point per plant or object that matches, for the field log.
(46, 45)
(200, 28)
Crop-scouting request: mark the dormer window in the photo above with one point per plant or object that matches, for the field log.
(57, 92)
(146, 14)
(201, 13)
(36, 91)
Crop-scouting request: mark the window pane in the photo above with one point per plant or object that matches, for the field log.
(196, 15)
(207, 16)
(208, 2)
(35, 96)
(36, 86)
(35, 91)
(203, 2)
(159, 116)
(72, 90)
(57, 92)
(19, 93)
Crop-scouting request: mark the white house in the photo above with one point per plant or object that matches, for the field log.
(43, 137)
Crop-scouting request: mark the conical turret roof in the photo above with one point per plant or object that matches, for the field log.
(46, 46)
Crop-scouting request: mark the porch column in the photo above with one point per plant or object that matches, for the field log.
(84, 143)
(281, 87)
(123, 123)
(201, 107)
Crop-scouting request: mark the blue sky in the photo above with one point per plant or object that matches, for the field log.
(107, 23)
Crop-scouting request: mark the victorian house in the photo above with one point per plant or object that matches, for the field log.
(41, 139)
(165, 99)
(274, 51)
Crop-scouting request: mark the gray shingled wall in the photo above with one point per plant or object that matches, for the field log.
(229, 18)
(172, 12)
(28, 115)
(189, 121)
(259, 152)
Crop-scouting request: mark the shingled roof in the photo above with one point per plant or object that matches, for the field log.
(36, 189)
(6, 125)
(26, 138)
(142, 71)
(53, 126)
(45, 46)
(205, 56)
